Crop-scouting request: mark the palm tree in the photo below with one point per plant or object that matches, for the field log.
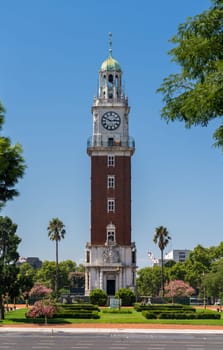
(56, 232)
(161, 237)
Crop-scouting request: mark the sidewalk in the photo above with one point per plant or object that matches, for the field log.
(112, 328)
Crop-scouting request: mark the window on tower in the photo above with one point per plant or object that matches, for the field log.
(110, 80)
(111, 206)
(110, 234)
(111, 181)
(87, 256)
(111, 161)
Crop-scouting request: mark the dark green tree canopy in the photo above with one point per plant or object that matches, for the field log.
(12, 165)
(195, 94)
(9, 243)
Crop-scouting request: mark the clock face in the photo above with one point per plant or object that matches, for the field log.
(111, 120)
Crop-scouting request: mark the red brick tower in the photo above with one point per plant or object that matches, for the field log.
(110, 254)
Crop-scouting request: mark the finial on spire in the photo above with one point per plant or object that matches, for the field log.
(110, 44)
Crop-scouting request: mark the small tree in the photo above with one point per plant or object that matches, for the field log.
(98, 297)
(178, 288)
(40, 291)
(41, 308)
(126, 295)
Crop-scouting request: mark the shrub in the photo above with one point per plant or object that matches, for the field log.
(126, 295)
(77, 311)
(98, 297)
(117, 311)
(42, 309)
(208, 315)
(149, 315)
(40, 291)
(157, 314)
(164, 307)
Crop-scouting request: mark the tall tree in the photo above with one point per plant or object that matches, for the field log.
(56, 232)
(12, 165)
(9, 242)
(148, 281)
(25, 279)
(162, 238)
(195, 95)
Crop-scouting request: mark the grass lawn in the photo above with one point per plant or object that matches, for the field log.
(18, 317)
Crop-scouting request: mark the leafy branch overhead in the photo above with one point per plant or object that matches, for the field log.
(12, 166)
(195, 95)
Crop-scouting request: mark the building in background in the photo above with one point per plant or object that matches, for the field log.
(35, 262)
(177, 255)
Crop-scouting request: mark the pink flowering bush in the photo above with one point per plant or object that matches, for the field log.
(178, 288)
(40, 291)
(42, 309)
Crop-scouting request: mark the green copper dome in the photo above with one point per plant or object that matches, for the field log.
(110, 65)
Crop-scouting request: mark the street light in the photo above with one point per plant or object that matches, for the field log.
(118, 269)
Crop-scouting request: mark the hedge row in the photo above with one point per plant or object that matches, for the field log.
(181, 315)
(164, 307)
(117, 311)
(80, 314)
(84, 306)
(77, 311)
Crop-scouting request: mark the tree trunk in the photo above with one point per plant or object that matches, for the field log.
(57, 274)
(162, 275)
(2, 313)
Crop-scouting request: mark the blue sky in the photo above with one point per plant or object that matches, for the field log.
(51, 52)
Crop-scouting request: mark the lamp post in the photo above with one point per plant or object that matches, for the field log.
(118, 273)
(204, 293)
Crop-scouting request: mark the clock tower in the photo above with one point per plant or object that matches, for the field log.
(110, 262)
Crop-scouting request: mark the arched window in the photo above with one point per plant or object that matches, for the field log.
(110, 235)
(110, 79)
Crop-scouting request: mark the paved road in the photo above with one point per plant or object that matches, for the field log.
(109, 341)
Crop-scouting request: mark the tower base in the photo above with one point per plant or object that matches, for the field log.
(109, 268)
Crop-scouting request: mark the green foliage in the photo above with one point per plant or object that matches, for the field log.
(195, 95)
(68, 277)
(176, 272)
(2, 112)
(213, 280)
(198, 263)
(12, 165)
(203, 270)
(149, 281)
(116, 311)
(161, 237)
(25, 279)
(9, 243)
(126, 295)
(56, 229)
(98, 297)
(77, 311)
(164, 307)
(46, 273)
(177, 312)
(56, 232)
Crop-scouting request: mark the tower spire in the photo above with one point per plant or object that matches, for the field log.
(110, 44)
